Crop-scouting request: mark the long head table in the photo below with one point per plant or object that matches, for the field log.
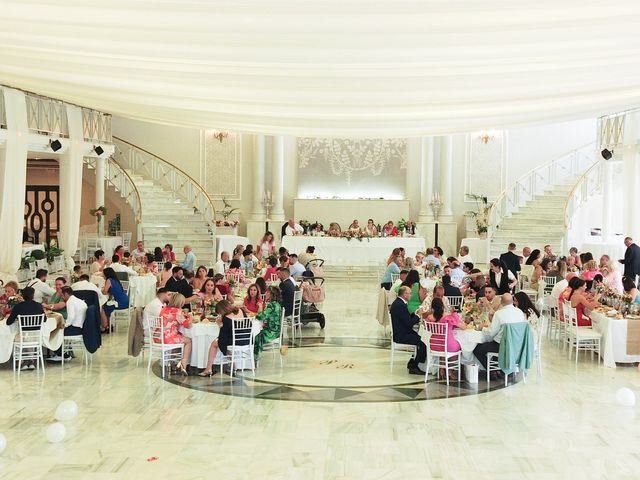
(340, 251)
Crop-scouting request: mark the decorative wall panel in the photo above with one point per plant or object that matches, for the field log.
(485, 172)
(221, 165)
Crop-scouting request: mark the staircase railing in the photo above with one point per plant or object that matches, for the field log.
(167, 175)
(537, 180)
(122, 183)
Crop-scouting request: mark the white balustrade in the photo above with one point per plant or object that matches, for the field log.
(96, 126)
(46, 115)
(589, 184)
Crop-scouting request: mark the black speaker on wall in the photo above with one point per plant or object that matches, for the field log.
(606, 154)
(99, 150)
(55, 145)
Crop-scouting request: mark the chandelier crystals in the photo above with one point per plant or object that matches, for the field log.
(347, 155)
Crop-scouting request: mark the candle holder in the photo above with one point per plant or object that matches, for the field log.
(268, 205)
(436, 206)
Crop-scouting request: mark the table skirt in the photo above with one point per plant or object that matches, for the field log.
(614, 339)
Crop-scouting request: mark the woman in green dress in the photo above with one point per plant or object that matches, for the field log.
(418, 293)
(271, 320)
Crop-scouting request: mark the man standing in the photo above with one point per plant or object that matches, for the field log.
(511, 260)
(526, 251)
(403, 332)
(506, 314)
(631, 259)
(222, 264)
(189, 263)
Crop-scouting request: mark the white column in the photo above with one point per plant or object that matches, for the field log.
(631, 169)
(277, 179)
(446, 177)
(71, 184)
(13, 180)
(426, 179)
(258, 177)
(607, 191)
(100, 176)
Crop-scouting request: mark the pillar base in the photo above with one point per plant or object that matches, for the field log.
(447, 235)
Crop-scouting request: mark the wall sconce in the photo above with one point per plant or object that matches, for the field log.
(219, 134)
(486, 137)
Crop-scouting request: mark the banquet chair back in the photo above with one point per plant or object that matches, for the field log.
(273, 278)
(241, 350)
(275, 345)
(233, 276)
(394, 278)
(125, 286)
(549, 283)
(456, 302)
(402, 347)
(33, 268)
(580, 338)
(28, 343)
(166, 352)
(42, 264)
(437, 346)
(58, 263)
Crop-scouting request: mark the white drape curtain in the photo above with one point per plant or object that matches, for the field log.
(331, 68)
(13, 181)
(71, 184)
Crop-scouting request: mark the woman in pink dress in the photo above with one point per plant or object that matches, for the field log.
(590, 270)
(172, 320)
(453, 319)
(580, 300)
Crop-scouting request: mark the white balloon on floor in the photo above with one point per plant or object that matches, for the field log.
(66, 411)
(3, 443)
(56, 432)
(626, 397)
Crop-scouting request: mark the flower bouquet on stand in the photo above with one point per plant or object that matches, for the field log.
(99, 213)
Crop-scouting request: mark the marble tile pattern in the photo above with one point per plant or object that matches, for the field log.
(564, 425)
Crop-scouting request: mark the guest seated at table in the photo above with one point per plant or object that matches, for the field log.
(228, 313)
(293, 228)
(139, 254)
(167, 253)
(237, 252)
(393, 268)
(371, 228)
(590, 270)
(317, 230)
(271, 318)
(223, 286)
(630, 289)
(534, 259)
(389, 230)
(571, 265)
(399, 281)
(522, 301)
(450, 290)
(262, 285)
(354, 227)
(334, 230)
(296, 269)
(153, 308)
(57, 303)
(76, 312)
(500, 277)
(178, 283)
(418, 294)
(410, 227)
(506, 314)
(473, 283)
(235, 268)
(409, 264)
(271, 270)
(418, 261)
(540, 270)
(403, 322)
(573, 254)
(559, 271)
(612, 277)
(439, 254)
(288, 287)
(266, 246)
(394, 253)
(119, 267)
(210, 292)
(172, 319)
(252, 302)
(28, 306)
(157, 255)
(199, 278)
(438, 292)
(246, 261)
(463, 254)
(165, 274)
(489, 302)
(189, 263)
(307, 256)
(84, 284)
(604, 261)
(117, 295)
(10, 294)
(42, 290)
(437, 315)
(457, 273)
(580, 300)
(432, 259)
(98, 264)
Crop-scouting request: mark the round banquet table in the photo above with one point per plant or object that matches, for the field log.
(201, 335)
(52, 336)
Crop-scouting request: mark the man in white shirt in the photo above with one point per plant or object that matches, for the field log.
(120, 268)
(85, 284)
(506, 314)
(464, 255)
(152, 309)
(430, 258)
(76, 314)
(139, 254)
(42, 291)
(293, 228)
(295, 267)
(222, 264)
(189, 263)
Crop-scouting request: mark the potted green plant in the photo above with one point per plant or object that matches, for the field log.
(481, 215)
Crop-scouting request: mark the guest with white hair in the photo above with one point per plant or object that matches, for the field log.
(189, 263)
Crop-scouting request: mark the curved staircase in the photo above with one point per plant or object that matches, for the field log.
(175, 208)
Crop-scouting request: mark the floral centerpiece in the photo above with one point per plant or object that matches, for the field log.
(227, 223)
(210, 307)
(474, 314)
(99, 213)
(13, 300)
(402, 225)
(226, 212)
(357, 234)
(481, 215)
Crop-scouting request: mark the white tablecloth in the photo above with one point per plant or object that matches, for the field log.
(468, 339)
(201, 335)
(226, 243)
(478, 249)
(340, 251)
(614, 339)
(8, 333)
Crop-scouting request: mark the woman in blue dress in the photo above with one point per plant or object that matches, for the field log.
(113, 288)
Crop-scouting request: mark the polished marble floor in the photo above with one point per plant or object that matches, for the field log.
(136, 426)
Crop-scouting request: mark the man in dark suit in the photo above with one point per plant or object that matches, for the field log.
(450, 290)
(177, 283)
(403, 332)
(631, 259)
(288, 288)
(511, 260)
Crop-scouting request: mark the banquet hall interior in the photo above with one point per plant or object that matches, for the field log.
(325, 241)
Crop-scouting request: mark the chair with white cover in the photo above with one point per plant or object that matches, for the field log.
(394, 278)
(126, 239)
(439, 331)
(28, 342)
(401, 347)
(42, 264)
(58, 263)
(547, 283)
(275, 345)
(69, 341)
(456, 302)
(580, 338)
(295, 319)
(166, 352)
(33, 269)
(273, 278)
(241, 350)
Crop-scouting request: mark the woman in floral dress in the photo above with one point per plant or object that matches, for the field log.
(271, 320)
(172, 320)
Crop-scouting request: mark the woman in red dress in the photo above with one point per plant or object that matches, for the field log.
(172, 319)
